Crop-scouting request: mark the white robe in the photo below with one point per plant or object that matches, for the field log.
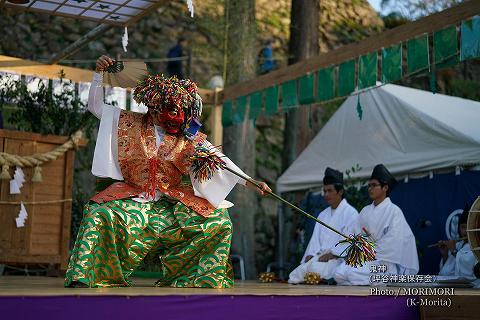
(345, 219)
(460, 265)
(105, 160)
(395, 245)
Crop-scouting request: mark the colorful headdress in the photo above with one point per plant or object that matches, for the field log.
(158, 92)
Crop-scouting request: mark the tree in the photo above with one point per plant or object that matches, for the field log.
(239, 140)
(303, 44)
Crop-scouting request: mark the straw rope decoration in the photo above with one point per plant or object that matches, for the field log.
(37, 159)
(205, 162)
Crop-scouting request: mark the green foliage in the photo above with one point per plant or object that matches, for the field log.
(329, 108)
(356, 192)
(467, 89)
(357, 196)
(42, 109)
(393, 20)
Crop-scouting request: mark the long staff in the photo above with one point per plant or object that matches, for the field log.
(205, 162)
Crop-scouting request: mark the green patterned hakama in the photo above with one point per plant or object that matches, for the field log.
(115, 236)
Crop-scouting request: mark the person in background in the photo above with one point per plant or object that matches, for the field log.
(175, 65)
(265, 58)
(457, 256)
(385, 224)
(322, 254)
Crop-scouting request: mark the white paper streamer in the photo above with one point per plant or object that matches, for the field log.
(125, 40)
(22, 216)
(190, 7)
(17, 182)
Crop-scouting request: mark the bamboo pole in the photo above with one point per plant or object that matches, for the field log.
(287, 203)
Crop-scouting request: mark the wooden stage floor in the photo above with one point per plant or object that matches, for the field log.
(49, 286)
(36, 297)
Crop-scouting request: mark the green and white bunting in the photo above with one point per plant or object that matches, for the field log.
(346, 78)
(326, 84)
(392, 63)
(417, 54)
(305, 89)
(289, 95)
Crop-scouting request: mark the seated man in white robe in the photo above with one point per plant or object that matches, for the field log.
(384, 223)
(457, 256)
(322, 255)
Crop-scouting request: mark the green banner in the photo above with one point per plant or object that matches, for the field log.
(417, 54)
(392, 63)
(470, 39)
(445, 45)
(227, 113)
(255, 105)
(289, 95)
(305, 89)
(367, 70)
(271, 101)
(240, 108)
(326, 84)
(346, 78)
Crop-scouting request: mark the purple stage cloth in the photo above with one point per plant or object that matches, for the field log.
(209, 307)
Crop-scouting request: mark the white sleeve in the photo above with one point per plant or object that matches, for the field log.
(105, 158)
(219, 186)
(447, 268)
(313, 247)
(465, 261)
(95, 95)
(351, 226)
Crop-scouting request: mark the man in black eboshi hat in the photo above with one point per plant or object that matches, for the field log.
(322, 253)
(384, 223)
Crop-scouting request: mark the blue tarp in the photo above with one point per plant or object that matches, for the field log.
(433, 200)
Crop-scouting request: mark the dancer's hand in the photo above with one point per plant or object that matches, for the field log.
(326, 257)
(263, 187)
(449, 245)
(102, 63)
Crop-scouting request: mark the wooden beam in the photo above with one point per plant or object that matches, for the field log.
(215, 121)
(80, 43)
(33, 68)
(37, 137)
(69, 161)
(208, 96)
(37, 69)
(388, 38)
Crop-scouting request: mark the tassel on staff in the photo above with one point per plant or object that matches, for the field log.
(205, 162)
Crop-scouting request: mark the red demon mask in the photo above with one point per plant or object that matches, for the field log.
(171, 120)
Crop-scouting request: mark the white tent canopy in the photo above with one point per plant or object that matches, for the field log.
(408, 130)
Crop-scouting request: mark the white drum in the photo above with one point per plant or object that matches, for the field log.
(473, 228)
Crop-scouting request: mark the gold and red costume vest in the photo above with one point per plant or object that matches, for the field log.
(145, 169)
